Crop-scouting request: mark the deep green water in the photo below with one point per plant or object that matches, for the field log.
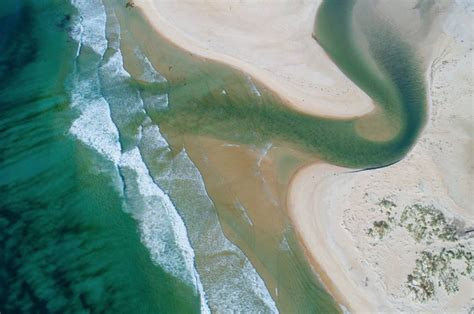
(66, 243)
(71, 219)
(397, 85)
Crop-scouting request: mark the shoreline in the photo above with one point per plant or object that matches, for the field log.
(318, 100)
(301, 211)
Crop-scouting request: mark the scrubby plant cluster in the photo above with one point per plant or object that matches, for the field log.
(387, 203)
(380, 229)
(426, 223)
(436, 268)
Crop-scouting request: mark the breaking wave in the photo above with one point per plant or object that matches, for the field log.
(105, 123)
(113, 121)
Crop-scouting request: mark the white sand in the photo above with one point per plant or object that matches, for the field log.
(332, 208)
(271, 41)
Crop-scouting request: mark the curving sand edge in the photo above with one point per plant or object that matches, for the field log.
(273, 44)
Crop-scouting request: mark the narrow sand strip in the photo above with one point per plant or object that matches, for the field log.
(273, 43)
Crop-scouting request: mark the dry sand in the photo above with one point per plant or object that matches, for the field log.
(333, 208)
(271, 41)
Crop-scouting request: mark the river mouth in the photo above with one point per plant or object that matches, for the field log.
(202, 142)
(226, 122)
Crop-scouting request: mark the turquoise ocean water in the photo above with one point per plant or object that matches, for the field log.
(68, 243)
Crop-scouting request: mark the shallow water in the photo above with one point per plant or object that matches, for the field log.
(109, 198)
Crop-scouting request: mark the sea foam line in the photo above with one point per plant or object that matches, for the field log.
(104, 138)
(245, 283)
(163, 230)
(150, 74)
(94, 127)
(92, 25)
(253, 87)
(169, 247)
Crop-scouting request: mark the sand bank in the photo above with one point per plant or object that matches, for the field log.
(272, 43)
(334, 209)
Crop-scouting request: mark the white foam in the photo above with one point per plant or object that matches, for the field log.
(159, 142)
(344, 309)
(95, 128)
(284, 246)
(150, 74)
(114, 64)
(112, 30)
(163, 230)
(114, 68)
(253, 87)
(238, 289)
(92, 25)
(242, 208)
(159, 101)
(85, 89)
(264, 153)
(259, 287)
(76, 33)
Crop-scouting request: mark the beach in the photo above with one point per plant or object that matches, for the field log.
(332, 208)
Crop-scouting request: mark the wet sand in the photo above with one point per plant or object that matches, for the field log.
(248, 185)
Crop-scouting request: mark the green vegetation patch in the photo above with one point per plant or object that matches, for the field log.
(380, 229)
(435, 267)
(425, 222)
(438, 269)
